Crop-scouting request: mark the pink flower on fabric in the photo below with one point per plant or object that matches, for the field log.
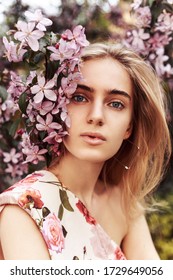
(31, 198)
(38, 17)
(52, 233)
(103, 246)
(27, 34)
(44, 89)
(85, 212)
(119, 254)
(30, 179)
(26, 182)
(13, 51)
(48, 124)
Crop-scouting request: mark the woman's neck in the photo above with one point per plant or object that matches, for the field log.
(80, 177)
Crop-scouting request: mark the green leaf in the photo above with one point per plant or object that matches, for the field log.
(14, 126)
(3, 93)
(60, 212)
(45, 212)
(64, 231)
(23, 103)
(65, 201)
(150, 2)
(38, 57)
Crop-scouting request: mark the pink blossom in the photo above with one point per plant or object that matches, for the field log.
(12, 156)
(53, 234)
(8, 109)
(44, 107)
(78, 35)
(138, 38)
(61, 103)
(65, 50)
(143, 17)
(38, 17)
(54, 137)
(27, 34)
(157, 41)
(30, 77)
(16, 86)
(68, 87)
(161, 67)
(30, 112)
(165, 22)
(16, 169)
(43, 89)
(33, 154)
(65, 118)
(13, 51)
(48, 124)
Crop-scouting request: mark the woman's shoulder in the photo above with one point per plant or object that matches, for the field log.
(36, 196)
(33, 191)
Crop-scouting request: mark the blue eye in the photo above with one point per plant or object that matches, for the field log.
(117, 105)
(79, 98)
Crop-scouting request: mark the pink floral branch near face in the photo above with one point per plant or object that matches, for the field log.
(43, 88)
(41, 95)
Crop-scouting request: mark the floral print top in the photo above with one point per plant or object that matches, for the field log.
(66, 225)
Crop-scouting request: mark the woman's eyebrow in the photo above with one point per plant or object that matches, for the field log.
(120, 92)
(84, 87)
(114, 91)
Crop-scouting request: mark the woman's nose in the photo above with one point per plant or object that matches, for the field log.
(96, 114)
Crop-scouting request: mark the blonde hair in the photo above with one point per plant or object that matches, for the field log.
(150, 131)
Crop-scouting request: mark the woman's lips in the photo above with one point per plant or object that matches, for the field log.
(93, 138)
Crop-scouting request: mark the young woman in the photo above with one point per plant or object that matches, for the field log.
(90, 203)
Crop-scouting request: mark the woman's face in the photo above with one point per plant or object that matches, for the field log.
(100, 111)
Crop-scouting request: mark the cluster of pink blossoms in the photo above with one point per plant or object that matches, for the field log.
(152, 34)
(41, 92)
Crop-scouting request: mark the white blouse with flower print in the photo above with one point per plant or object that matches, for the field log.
(66, 225)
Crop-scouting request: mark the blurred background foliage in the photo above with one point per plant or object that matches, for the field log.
(104, 21)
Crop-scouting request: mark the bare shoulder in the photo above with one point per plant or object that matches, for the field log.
(20, 236)
(138, 243)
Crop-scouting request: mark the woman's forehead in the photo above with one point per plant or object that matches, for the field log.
(106, 72)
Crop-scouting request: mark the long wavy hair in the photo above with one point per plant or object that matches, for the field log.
(148, 149)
